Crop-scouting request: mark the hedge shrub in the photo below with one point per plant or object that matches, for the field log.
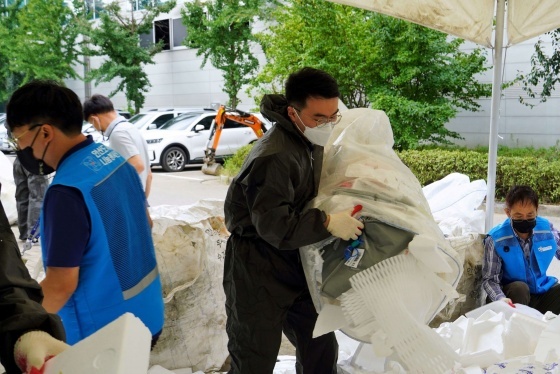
(542, 175)
(430, 165)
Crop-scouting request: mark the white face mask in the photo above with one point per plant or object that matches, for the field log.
(319, 135)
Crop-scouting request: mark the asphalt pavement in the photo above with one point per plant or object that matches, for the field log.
(186, 187)
(189, 186)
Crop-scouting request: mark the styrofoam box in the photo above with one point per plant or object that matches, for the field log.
(121, 347)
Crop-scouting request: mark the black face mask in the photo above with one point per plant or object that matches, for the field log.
(30, 163)
(524, 226)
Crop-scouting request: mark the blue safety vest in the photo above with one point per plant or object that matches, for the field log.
(514, 266)
(118, 271)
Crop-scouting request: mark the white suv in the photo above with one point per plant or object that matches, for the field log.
(155, 118)
(183, 139)
(4, 143)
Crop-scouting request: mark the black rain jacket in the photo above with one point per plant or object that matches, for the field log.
(20, 299)
(267, 199)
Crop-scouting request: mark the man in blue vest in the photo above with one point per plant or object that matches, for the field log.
(517, 254)
(97, 245)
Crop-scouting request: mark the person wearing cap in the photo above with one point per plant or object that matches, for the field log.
(265, 211)
(98, 252)
(518, 252)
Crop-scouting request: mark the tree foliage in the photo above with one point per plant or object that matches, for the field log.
(416, 75)
(9, 81)
(545, 70)
(116, 37)
(38, 41)
(221, 31)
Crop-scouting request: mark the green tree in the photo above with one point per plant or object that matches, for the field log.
(221, 30)
(37, 41)
(545, 68)
(9, 81)
(43, 45)
(416, 75)
(117, 38)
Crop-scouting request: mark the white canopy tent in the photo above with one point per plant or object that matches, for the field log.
(474, 20)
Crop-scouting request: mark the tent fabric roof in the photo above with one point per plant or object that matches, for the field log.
(527, 19)
(471, 20)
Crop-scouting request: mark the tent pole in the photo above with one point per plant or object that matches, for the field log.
(494, 112)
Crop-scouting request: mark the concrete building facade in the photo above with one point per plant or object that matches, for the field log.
(179, 81)
(177, 78)
(519, 125)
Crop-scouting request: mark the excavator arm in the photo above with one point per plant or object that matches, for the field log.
(210, 165)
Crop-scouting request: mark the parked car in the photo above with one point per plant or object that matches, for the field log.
(183, 139)
(5, 145)
(88, 129)
(155, 118)
(123, 113)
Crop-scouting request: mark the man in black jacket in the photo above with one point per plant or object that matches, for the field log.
(26, 329)
(265, 286)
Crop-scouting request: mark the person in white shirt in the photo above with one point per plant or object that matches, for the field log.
(123, 136)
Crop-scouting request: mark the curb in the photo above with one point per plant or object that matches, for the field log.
(544, 210)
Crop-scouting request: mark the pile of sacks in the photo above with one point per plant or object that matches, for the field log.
(190, 243)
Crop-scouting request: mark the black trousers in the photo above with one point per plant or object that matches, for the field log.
(30, 190)
(266, 294)
(519, 293)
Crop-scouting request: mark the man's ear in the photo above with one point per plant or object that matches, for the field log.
(47, 131)
(291, 114)
(507, 211)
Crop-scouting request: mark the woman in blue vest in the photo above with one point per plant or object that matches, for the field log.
(517, 254)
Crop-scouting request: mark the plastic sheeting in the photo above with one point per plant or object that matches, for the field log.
(8, 191)
(454, 201)
(471, 20)
(471, 294)
(360, 167)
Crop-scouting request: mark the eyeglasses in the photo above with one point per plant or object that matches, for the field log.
(14, 142)
(323, 121)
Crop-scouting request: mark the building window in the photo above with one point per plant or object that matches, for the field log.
(142, 4)
(162, 33)
(94, 8)
(12, 2)
(179, 32)
(171, 32)
(147, 40)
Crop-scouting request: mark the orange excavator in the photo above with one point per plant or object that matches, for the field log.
(210, 166)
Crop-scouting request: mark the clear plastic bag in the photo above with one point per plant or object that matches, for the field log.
(360, 167)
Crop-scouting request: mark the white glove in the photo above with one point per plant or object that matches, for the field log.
(344, 226)
(508, 301)
(34, 348)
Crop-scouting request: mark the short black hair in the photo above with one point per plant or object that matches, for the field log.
(97, 104)
(45, 102)
(309, 82)
(523, 194)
